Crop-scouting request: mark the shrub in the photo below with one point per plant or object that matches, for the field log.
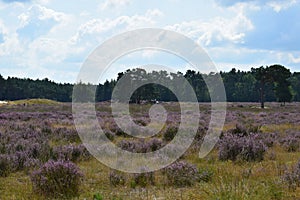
(113, 127)
(143, 179)
(4, 165)
(65, 134)
(170, 133)
(181, 174)
(141, 146)
(291, 143)
(32, 163)
(116, 178)
(247, 148)
(73, 153)
(292, 177)
(269, 139)
(19, 159)
(110, 135)
(245, 129)
(57, 179)
(205, 175)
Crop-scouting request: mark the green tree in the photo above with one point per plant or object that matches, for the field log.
(280, 76)
(2, 87)
(295, 84)
(283, 92)
(83, 93)
(261, 74)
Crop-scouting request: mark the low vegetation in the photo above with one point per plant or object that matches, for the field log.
(257, 156)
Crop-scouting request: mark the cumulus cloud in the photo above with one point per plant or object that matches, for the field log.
(294, 59)
(3, 33)
(217, 30)
(108, 4)
(94, 27)
(281, 5)
(38, 21)
(38, 43)
(276, 5)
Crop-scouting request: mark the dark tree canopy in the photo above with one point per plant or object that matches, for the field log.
(271, 83)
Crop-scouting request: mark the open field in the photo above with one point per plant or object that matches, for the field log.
(31, 133)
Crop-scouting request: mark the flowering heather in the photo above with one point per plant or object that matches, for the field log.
(65, 134)
(291, 143)
(170, 133)
(292, 177)
(269, 139)
(113, 127)
(247, 148)
(141, 146)
(31, 135)
(22, 146)
(181, 174)
(57, 179)
(4, 165)
(116, 178)
(245, 129)
(72, 153)
(143, 179)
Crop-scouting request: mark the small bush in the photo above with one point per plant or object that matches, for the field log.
(247, 148)
(205, 175)
(141, 146)
(170, 133)
(269, 139)
(72, 153)
(143, 179)
(116, 178)
(181, 174)
(57, 179)
(4, 165)
(66, 134)
(245, 129)
(113, 127)
(110, 135)
(292, 177)
(291, 143)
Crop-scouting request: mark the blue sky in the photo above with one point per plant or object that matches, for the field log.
(52, 38)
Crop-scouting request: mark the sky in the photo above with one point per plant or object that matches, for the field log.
(53, 38)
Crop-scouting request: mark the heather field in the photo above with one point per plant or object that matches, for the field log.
(257, 156)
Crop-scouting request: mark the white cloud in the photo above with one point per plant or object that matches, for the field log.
(216, 30)
(43, 2)
(94, 27)
(276, 5)
(108, 4)
(48, 37)
(38, 12)
(3, 29)
(154, 13)
(293, 59)
(281, 5)
(245, 58)
(55, 34)
(10, 44)
(44, 55)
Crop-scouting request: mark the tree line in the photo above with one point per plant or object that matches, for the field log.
(270, 83)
